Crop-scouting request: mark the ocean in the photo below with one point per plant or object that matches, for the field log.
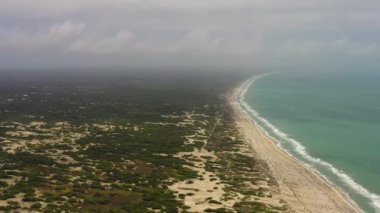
(328, 120)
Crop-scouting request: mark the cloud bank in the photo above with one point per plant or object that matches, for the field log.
(216, 33)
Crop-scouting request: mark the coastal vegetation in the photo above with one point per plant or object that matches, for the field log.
(126, 143)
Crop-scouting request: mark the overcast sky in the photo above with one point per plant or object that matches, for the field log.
(233, 33)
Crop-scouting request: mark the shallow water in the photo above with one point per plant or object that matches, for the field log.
(330, 121)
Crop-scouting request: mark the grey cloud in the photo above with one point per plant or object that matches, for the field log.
(167, 32)
(103, 45)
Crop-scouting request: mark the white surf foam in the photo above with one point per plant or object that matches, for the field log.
(374, 199)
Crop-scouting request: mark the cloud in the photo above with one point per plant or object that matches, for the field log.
(40, 38)
(117, 43)
(64, 30)
(202, 32)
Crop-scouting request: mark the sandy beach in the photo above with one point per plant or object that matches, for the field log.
(303, 189)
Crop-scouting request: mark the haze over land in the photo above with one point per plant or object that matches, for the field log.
(167, 33)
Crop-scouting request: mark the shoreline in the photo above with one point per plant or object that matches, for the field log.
(303, 189)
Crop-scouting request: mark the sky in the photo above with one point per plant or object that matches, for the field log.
(189, 33)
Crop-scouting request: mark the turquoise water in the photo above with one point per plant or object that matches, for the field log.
(330, 121)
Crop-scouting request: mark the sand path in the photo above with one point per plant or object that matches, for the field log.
(302, 188)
